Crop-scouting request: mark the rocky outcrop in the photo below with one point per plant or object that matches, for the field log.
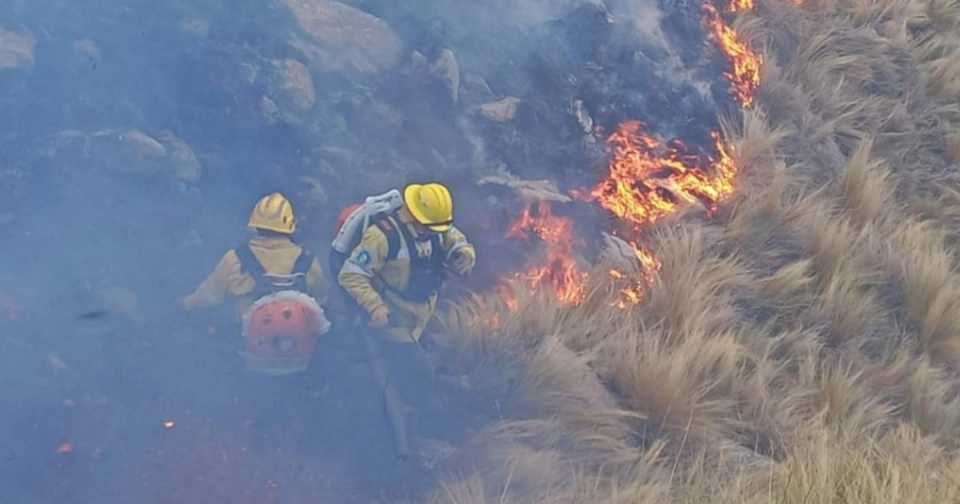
(342, 39)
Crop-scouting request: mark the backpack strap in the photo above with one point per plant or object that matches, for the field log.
(297, 279)
(390, 228)
(249, 262)
(300, 269)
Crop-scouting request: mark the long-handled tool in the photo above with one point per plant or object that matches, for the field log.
(392, 406)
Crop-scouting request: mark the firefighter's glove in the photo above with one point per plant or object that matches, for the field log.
(463, 261)
(379, 317)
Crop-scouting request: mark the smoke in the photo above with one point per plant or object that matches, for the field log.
(140, 134)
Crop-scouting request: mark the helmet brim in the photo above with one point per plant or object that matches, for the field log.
(411, 194)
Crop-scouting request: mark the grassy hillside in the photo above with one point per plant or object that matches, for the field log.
(801, 346)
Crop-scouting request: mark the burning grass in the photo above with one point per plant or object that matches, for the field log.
(800, 345)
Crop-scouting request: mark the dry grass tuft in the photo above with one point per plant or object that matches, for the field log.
(866, 186)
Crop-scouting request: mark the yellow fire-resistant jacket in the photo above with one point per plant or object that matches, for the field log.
(277, 255)
(367, 272)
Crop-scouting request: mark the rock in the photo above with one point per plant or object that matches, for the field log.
(290, 88)
(128, 152)
(344, 39)
(131, 151)
(528, 190)
(16, 50)
(186, 166)
(447, 71)
(502, 110)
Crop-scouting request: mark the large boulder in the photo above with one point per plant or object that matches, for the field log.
(125, 152)
(290, 91)
(343, 39)
(16, 49)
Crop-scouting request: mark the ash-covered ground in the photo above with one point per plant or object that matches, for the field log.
(137, 136)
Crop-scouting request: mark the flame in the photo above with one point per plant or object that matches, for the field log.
(740, 6)
(560, 270)
(648, 180)
(632, 289)
(745, 75)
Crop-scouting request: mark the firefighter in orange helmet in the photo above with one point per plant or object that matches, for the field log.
(279, 290)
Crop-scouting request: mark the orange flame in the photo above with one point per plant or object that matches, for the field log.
(745, 75)
(648, 180)
(560, 270)
(632, 289)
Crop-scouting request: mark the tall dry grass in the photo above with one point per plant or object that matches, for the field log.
(801, 347)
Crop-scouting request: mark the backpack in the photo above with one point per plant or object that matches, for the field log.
(355, 219)
(427, 274)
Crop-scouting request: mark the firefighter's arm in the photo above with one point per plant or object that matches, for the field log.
(224, 278)
(358, 271)
(317, 282)
(461, 256)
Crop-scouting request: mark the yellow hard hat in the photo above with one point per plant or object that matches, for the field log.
(430, 204)
(274, 213)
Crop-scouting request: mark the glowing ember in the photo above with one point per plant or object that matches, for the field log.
(648, 180)
(560, 270)
(745, 76)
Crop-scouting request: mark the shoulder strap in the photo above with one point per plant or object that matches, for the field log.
(392, 232)
(248, 262)
(303, 263)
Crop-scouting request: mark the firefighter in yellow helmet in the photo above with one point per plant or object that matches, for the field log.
(395, 271)
(268, 275)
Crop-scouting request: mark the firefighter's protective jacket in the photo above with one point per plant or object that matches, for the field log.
(374, 279)
(277, 255)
